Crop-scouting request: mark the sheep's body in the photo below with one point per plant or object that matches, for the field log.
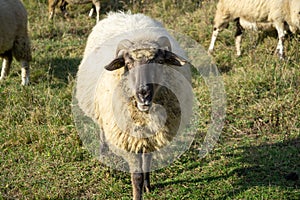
(63, 4)
(14, 40)
(114, 25)
(98, 90)
(257, 15)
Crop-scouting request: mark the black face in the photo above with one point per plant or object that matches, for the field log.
(142, 74)
(144, 96)
(140, 65)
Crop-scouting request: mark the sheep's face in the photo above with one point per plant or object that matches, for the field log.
(139, 61)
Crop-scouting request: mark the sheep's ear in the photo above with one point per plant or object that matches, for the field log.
(117, 63)
(173, 59)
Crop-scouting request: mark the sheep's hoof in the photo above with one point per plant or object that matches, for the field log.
(281, 56)
(25, 82)
(91, 13)
(147, 188)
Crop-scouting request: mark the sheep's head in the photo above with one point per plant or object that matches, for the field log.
(135, 56)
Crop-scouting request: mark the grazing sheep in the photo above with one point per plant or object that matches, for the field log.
(128, 47)
(14, 40)
(63, 6)
(257, 15)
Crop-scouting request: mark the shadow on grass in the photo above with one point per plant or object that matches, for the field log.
(61, 68)
(57, 71)
(269, 165)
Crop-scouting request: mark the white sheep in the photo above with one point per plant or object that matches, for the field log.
(257, 15)
(14, 40)
(63, 6)
(120, 47)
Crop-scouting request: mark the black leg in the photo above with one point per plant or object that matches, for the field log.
(238, 37)
(137, 176)
(146, 169)
(137, 180)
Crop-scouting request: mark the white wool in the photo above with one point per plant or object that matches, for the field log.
(274, 11)
(96, 87)
(258, 15)
(101, 49)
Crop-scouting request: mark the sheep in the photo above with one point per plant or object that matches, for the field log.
(63, 6)
(14, 39)
(257, 15)
(122, 47)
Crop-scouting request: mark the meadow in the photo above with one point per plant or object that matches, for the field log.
(256, 157)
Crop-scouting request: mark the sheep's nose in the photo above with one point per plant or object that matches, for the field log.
(144, 94)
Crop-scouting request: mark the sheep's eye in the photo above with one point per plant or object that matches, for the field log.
(160, 62)
(129, 65)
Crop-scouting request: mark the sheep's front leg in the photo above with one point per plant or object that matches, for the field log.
(146, 169)
(137, 180)
(137, 176)
(51, 7)
(97, 8)
(7, 59)
(213, 40)
(280, 45)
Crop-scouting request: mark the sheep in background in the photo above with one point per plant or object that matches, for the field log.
(257, 15)
(118, 46)
(63, 6)
(14, 40)
(242, 24)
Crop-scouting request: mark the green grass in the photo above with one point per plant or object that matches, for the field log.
(42, 157)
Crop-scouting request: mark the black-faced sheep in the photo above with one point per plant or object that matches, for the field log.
(63, 6)
(257, 15)
(14, 40)
(116, 88)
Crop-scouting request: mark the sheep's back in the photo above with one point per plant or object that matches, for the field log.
(251, 10)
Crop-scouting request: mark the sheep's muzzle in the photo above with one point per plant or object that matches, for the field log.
(144, 96)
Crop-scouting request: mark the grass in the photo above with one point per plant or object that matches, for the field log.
(257, 156)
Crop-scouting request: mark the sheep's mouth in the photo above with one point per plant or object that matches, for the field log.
(144, 107)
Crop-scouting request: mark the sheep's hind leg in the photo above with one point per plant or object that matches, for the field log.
(280, 45)
(7, 59)
(63, 9)
(238, 38)
(146, 169)
(25, 72)
(91, 11)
